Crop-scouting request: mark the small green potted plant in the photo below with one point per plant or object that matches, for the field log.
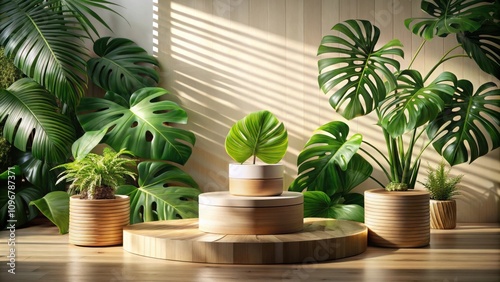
(442, 187)
(96, 214)
(261, 137)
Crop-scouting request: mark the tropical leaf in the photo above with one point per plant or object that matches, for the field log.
(14, 203)
(448, 17)
(469, 126)
(325, 158)
(122, 67)
(32, 122)
(318, 204)
(55, 206)
(84, 13)
(415, 104)
(83, 145)
(37, 172)
(158, 197)
(482, 46)
(259, 134)
(46, 45)
(355, 69)
(144, 128)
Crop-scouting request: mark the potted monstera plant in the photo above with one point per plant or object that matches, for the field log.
(459, 120)
(261, 138)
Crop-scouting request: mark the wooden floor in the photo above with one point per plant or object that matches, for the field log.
(469, 253)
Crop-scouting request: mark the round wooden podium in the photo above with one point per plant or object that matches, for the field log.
(319, 240)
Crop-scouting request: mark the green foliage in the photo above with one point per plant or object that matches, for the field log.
(97, 171)
(159, 196)
(259, 134)
(8, 71)
(460, 123)
(329, 168)
(4, 154)
(440, 184)
(144, 127)
(55, 206)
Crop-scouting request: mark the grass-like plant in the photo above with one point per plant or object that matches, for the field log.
(98, 176)
(440, 184)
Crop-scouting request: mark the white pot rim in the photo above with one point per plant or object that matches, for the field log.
(255, 171)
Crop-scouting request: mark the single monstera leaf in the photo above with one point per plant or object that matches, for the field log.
(482, 46)
(259, 134)
(145, 128)
(354, 69)
(329, 162)
(159, 196)
(469, 126)
(414, 103)
(449, 17)
(122, 67)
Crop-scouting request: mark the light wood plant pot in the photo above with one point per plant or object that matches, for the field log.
(260, 180)
(98, 222)
(397, 219)
(443, 214)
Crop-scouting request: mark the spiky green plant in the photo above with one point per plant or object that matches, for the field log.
(95, 175)
(440, 184)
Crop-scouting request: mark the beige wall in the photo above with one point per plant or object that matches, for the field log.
(226, 58)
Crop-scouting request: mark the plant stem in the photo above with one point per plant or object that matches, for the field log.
(416, 53)
(378, 182)
(376, 161)
(444, 59)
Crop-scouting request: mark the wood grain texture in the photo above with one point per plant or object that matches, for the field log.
(224, 213)
(443, 214)
(397, 219)
(320, 240)
(469, 253)
(98, 222)
(256, 187)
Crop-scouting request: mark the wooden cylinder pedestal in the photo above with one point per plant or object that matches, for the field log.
(398, 219)
(223, 213)
(98, 222)
(259, 180)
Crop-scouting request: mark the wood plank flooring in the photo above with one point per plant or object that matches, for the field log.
(469, 253)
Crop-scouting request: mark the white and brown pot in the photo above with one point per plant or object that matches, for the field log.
(256, 179)
(443, 214)
(98, 222)
(397, 219)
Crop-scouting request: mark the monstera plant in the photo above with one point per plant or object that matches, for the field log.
(45, 112)
(460, 120)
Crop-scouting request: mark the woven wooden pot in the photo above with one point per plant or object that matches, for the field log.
(397, 219)
(443, 214)
(256, 180)
(98, 222)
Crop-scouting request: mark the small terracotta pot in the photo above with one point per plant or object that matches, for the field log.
(256, 179)
(443, 214)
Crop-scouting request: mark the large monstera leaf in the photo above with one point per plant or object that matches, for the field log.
(328, 161)
(449, 17)
(32, 120)
(414, 103)
(259, 134)
(47, 45)
(143, 128)
(157, 197)
(482, 46)
(319, 204)
(354, 69)
(122, 66)
(468, 124)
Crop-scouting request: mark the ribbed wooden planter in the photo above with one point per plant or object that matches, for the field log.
(259, 180)
(397, 219)
(223, 213)
(98, 222)
(443, 214)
